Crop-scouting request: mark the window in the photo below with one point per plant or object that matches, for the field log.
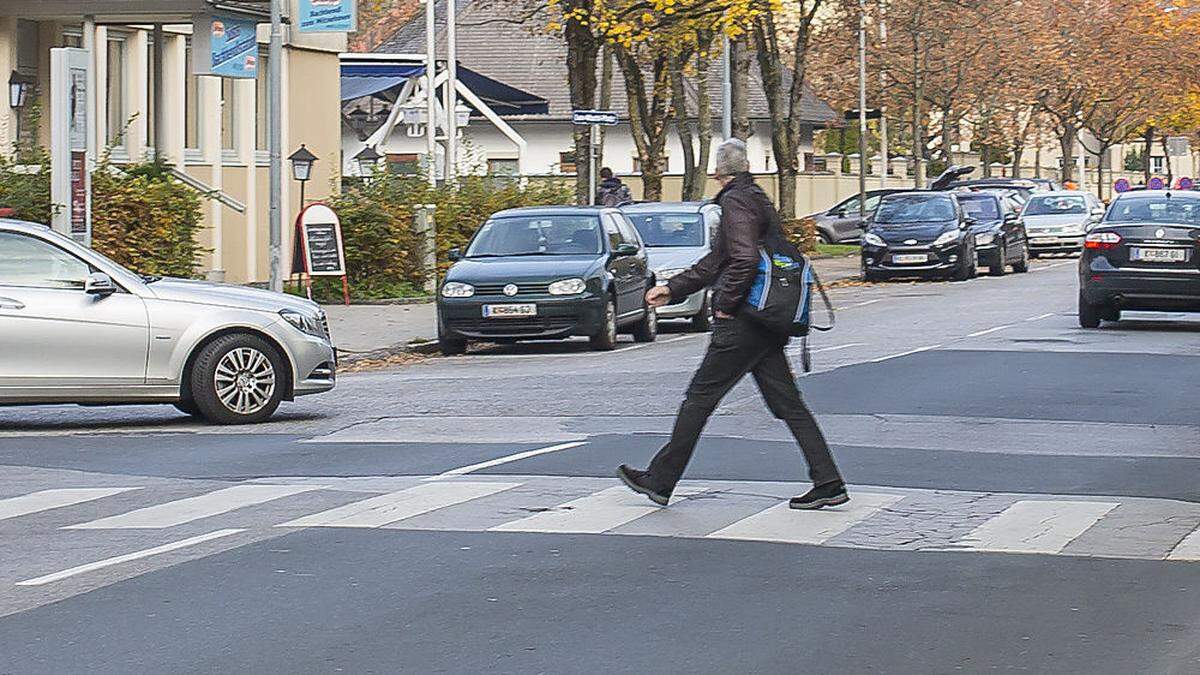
(191, 102)
(614, 234)
(537, 235)
(660, 229)
(502, 167)
(1156, 164)
(115, 90)
(404, 164)
(32, 263)
(566, 162)
(629, 233)
(228, 114)
(262, 103)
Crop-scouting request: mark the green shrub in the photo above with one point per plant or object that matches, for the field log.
(25, 185)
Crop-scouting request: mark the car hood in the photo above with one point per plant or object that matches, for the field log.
(229, 295)
(1055, 220)
(666, 258)
(985, 225)
(523, 268)
(922, 232)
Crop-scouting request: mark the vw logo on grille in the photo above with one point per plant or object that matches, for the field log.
(910, 242)
(510, 289)
(1160, 233)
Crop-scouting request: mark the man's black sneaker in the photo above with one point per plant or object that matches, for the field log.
(639, 481)
(830, 494)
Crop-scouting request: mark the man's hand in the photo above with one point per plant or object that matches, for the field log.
(721, 315)
(658, 296)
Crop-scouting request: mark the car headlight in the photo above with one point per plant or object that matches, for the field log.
(305, 323)
(568, 287)
(454, 289)
(873, 239)
(663, 276)
(946, 238)
(984, 238)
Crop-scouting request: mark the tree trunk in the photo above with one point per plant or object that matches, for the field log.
(582, 48)
(606, 73)
(1166, 160)
(683, 126)
(740, 79)
(1149, 145)
(1018, 153)
(648, 116)
(947, 139)
(1066, 143)
(1100, 170)
(704, 129)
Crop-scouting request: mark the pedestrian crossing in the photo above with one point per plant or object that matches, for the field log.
(881, 518)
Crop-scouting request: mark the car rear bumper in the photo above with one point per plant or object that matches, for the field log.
(556, 318)
(1141, 289)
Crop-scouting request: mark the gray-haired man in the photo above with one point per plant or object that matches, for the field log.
(738, 345)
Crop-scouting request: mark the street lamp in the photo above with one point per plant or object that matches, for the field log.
(302, 161)
(18, 89)
(367, 159)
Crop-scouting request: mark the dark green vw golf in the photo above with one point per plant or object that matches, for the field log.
(548, 272)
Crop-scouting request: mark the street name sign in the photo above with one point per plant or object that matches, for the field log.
(606, 118)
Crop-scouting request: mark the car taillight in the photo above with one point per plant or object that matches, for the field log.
(1102, 240)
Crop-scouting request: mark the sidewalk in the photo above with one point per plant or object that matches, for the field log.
(362, 329)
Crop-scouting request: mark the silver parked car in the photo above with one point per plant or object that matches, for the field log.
(677, 234)
(76, 327)
(1056, 222)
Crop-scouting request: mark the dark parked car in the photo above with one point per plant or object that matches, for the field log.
(842, 223)
(999, 235)
(1024, 187)
(545, 273)
(919, 234)
(1143, 255)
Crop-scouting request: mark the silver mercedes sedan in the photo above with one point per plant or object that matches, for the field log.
(76, 327)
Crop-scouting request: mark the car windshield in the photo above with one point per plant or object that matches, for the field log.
(1061, 205)
(980, 207)
(900, 209)
(670, 230)
(537, 235)
(1154, 209)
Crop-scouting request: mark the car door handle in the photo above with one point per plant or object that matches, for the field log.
(9, 303)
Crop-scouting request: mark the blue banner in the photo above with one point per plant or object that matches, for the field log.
(328, 16)
(225, 45)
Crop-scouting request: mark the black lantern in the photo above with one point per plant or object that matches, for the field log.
(19, 87)
(302, 161)
(367, 159)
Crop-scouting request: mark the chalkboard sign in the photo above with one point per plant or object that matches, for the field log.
(319, 235)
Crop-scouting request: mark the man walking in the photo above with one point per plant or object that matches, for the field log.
(738, 345)
(612, 192)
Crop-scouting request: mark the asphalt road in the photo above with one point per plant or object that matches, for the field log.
(1024, 497)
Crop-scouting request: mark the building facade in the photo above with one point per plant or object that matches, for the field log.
(214, 129)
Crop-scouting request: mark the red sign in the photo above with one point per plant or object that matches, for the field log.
(78, 193)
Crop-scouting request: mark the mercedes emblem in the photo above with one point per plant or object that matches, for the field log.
(510, 289)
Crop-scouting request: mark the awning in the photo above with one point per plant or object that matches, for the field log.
(368, 79)
(359, 80)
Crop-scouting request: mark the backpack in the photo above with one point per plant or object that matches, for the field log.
(615, 196)
(780, 299)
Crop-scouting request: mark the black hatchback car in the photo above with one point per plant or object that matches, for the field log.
(999, 234)
(1143, 255)
(919, 234)
(546, 273)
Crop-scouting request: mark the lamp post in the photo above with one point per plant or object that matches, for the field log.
(18, 94)
(368, 160)
(302, 161)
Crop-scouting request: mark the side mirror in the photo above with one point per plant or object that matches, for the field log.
(100, 285)
(454, 255)
(966, 222)
(836, 213)
(625, 250)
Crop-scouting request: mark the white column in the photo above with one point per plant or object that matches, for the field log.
(137, 109)
(174, 92)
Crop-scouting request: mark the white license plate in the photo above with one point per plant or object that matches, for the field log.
(509, 311)
(910, 258)
(1158, 254)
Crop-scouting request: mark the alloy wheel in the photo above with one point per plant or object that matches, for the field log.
(245, 380)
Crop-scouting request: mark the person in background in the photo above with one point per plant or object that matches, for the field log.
(738, 346)
(612, 192)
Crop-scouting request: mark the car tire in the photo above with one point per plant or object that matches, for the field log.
(966, 267)
(873, 277)
(238, 379)
(1022, 264)
(646, 329)
(1089, 314)
(451, 346)
(187, 406)
(702, 320)
(823, 237)
(606, 339)
(1000, 268)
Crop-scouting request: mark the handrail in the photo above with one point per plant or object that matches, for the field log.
(220, 196)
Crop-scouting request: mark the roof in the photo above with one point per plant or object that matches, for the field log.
(361, 77)
(23, 226)
(525, 56)
(1169, 194)
(663, 207)
(566, 210)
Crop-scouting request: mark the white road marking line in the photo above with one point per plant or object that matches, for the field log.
(656, 342)
(397, 506)
(109, 562)
(186, 510)
(592, 514)
(989, 330)
(1035, 526)
(627, 347)
(1188, 548)
(1039, 317)
(862, 304)
(45, 500)
(783, 524)
(910, 352)
(504, 460)
(1039, 268)
(796, 349)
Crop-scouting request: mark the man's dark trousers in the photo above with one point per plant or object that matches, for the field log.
(740, 346)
